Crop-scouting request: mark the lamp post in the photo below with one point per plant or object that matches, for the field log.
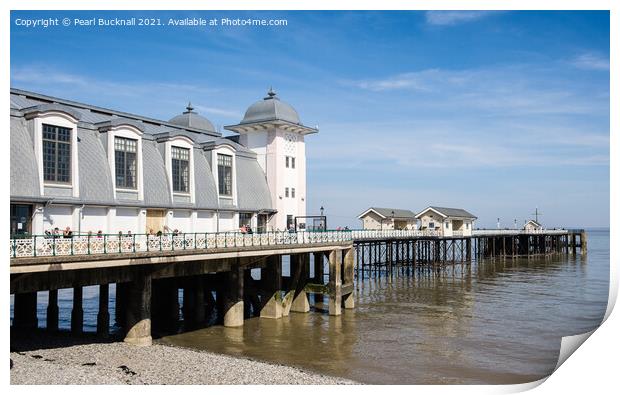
(498, 223)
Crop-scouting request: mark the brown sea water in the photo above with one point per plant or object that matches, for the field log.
(494, 321)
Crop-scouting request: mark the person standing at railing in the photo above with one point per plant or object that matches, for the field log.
(67, 233)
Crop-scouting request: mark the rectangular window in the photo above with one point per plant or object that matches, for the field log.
(292, 192)
(56, 154)
(224, 174)
(245, 219)
(447, 225)
(286, 192)
(292, 162)
(125, 151)
(431, 225)
(180, 169)
(287, 162)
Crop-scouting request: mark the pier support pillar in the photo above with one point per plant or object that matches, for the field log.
(103, 315)
(300, 270)
(77, 313)
(348, 274)
(271, 297)
(233, 296)
(52, 311)
(164, 304)
(120, 304)
(138, 313)
(25, 311)
(583, 240)
(335, 283)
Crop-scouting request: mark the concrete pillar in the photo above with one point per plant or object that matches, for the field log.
(103, 315)
(189, 302)
(233, 296)
(77, 314)
(120, 304)
(583, 239)
(164, 304)
(199, 299)
(300, 270)
(52, 310)
(271, 296)
(138, 314)
(335, 283)
(25, 311)
(349, 272)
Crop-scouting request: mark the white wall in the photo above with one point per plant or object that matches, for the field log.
(205, 221)
(126, 219)
(181, 220)
(227, 222)
(57, 217)
(94, 219)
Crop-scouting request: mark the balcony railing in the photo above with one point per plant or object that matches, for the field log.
(508, 232)
(45, 245)
(363, 234)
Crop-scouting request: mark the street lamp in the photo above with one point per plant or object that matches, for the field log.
(498, 223)
(322, 211)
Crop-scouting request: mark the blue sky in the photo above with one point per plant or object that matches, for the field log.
(495, 112)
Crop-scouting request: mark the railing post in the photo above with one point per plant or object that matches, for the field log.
(54, 246)
(34, 246)
(15, 247)
(105, 244)
(88, 245)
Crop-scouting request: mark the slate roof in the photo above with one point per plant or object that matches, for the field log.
(271, 108)
(252, 191)
(450, 212)
(387, 212)
(24, 175)
(95, 179)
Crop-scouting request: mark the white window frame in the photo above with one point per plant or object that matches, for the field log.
(57, 118)
(129, 132)
(225, 150)
(181, 142)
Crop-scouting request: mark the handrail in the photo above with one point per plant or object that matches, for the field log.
(54, 245)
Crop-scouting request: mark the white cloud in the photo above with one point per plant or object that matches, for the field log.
(449, 18)
(591, 62)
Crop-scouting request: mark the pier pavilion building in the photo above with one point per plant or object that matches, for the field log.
(447, 221)
(94, 169)
(388, 218)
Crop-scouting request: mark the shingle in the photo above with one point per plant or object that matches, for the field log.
(453, 212)
(156, 188)
(94, 176)
(206, 192)
(252, 189)
(24, 172)
(398, 213)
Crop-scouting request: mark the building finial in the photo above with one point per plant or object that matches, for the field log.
(271, 92)
(189, 107)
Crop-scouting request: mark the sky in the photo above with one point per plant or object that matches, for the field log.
(495, 112)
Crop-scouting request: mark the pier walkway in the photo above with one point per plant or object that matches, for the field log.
(214, 270)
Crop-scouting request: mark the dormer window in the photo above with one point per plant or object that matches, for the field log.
(180, 169)
(56, 154)
(125, 162)
(224, 174)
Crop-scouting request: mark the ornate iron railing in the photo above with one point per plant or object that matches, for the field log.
(508, 232)
(44, 245)
(363, 234)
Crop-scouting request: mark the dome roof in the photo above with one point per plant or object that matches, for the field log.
(191, 119)
(271, 108)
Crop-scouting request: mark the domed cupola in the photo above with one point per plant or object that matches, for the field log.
(191, 119)
(271, 108)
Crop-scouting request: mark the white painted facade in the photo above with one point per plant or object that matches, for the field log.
(445, 225)
(275, 144)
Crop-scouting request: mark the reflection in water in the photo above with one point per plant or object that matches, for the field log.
(495, 321)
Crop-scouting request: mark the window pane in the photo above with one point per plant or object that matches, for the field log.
(130, 175)
(56, 153)
(293, 163)
(119, 159)
(125, 162)
(49, 161)
(292, 192)
(224, 174)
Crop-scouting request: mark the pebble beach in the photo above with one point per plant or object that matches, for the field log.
(46, 359)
